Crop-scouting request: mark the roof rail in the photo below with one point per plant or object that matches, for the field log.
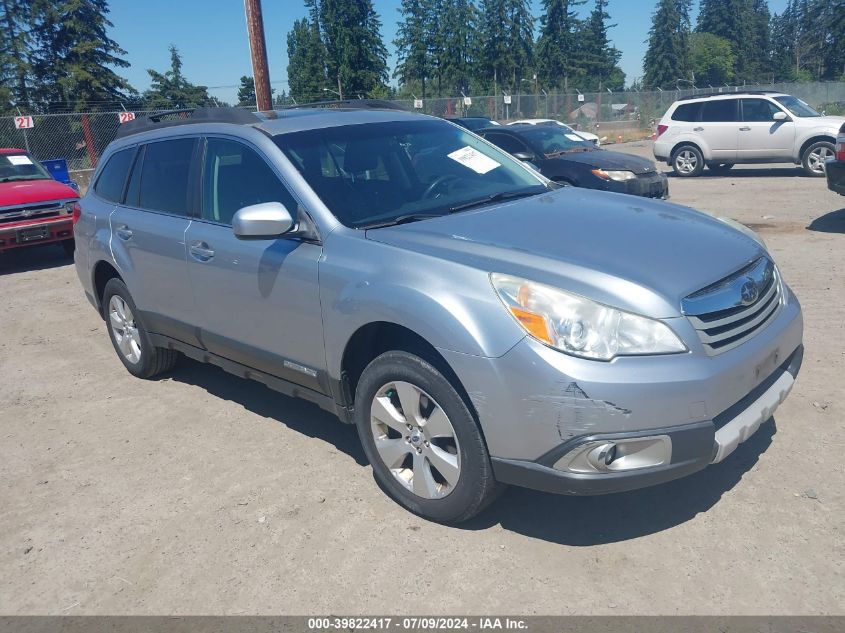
(731, 92)
(184, 116)
(350, 104)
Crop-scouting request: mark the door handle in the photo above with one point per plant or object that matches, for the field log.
(123, 232)
(201, 251)
(698, 129)
(745, 129)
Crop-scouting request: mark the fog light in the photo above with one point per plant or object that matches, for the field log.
(618, 455)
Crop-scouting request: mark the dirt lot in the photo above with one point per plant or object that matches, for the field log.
(203, 493)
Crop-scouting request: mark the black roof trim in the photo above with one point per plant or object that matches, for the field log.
(731, 93)
(185, 116)
(350, 104)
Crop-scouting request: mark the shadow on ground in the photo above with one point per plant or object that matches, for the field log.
(745, 172)
(33, 258)
(833, 222)
(575, 521)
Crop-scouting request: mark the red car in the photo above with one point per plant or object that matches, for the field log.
(34, 208)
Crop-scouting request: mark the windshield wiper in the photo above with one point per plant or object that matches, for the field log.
(13, 178)
(496, 197)
(402, 219)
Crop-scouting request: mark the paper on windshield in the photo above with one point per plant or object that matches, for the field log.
(19, 160)
(475, 160)
(574, 137)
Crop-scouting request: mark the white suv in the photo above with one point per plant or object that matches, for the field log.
(720, 130)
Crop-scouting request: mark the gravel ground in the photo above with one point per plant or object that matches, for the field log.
(204, 493)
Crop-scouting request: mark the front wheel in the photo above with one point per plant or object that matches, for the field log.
(687, 161)
(424, 444)
(815, 156)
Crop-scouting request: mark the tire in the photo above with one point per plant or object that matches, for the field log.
(687, 161)
(720, 168)
(814, 157)
(129, 336)
(69, 246)
(408, 463)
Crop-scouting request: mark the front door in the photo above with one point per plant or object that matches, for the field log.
(257, 300)
(760, 136)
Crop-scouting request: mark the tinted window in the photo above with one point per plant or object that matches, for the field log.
(374, 173)
(687, 112)
(234, 177)
(507, 143)
(133, 189)
(720, 110)
(165, 173)
(758, 110)
(113, 177)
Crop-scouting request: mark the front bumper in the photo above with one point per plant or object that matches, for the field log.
(536, 404)
(836, 176)
(33, 232)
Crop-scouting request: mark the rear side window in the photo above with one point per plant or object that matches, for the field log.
(165, 175)
(507, 143)
(113, 177)
(719, 111)
(687, 112)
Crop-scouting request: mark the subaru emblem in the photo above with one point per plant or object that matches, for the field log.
(749, 292)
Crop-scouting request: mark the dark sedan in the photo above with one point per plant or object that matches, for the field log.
(835, 169)
(569, 159)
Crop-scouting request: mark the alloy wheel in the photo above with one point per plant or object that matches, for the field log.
(816, 159)
(686, 161)
(415, 439)
(124, 328)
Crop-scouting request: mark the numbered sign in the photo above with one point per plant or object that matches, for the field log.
(467, 101)
(418, 104)
(24, 122)
(125, 117)
(580, 97)
(508, 99)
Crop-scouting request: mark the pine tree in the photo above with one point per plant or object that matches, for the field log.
(494, 64)
(743, 23)
(520, 41)
(413, 43)
(667, 57)
(458, 45)
(14, 55)
(172, 90)
(306, 65)
(760, 48)
(557, 45)
(598, 58)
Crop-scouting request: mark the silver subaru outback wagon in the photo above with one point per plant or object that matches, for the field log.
(479, 324)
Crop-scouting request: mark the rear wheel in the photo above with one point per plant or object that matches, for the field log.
(129, 337)
(425, 447)
(719, 168)
(814, 158)
(687, 161)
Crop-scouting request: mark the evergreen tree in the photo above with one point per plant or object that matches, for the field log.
(733, 21)
(306, 55)
(413, 43)
(246, 91)
(355, 53)
(74, 56)
(172, 90)
(557, 44)
(457, 45)
(598, 58)
(494, 64)
(667, 57)
(760, 48)
(14, 54)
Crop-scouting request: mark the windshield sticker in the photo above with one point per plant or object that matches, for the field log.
(574, 137)
(475, 160)
(19, 160)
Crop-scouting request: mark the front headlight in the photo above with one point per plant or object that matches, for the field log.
(581, 327)
(618, 176)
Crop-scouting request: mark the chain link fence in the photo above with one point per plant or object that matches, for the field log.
(80, 138)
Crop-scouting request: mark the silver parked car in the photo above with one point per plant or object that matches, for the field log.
(479, 324)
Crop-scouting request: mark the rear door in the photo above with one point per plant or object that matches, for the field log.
(258, 300)
(148, 236)
(719, 127)
(760, 136)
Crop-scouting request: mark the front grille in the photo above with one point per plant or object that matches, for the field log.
(734, 309)
(45, 210)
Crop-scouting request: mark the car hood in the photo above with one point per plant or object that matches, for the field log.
(606, 159)
(33, 191)
(630, 252)
(828, 121)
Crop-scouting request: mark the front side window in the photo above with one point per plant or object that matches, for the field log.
(113, 177)
(165, 176)
(758, 110)
(21, 167)
(720, 111)
(796, 106)
(506, 142)
(234, 176)
(377, 173)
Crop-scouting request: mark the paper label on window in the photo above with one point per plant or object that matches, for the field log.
(19, 160)
(574, 137)
(475, 160)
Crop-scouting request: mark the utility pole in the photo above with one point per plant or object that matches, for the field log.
(258, 51)
(339, 89)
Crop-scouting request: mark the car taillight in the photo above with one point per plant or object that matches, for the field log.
(77, 211)
(661, 128)
(840, 151)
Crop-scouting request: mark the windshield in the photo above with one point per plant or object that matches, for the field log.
(21, 167)
(553, 140)
(378, 173)
(796, 106)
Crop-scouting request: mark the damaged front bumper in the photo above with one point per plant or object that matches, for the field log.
(567, 425)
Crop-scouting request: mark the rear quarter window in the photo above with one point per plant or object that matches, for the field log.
(687, 112)
(109, 185)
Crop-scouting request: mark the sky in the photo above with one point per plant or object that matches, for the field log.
(211, 37)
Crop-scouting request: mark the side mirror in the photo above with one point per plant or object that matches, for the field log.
(265, 221)
(526, 157)
(780, 116)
